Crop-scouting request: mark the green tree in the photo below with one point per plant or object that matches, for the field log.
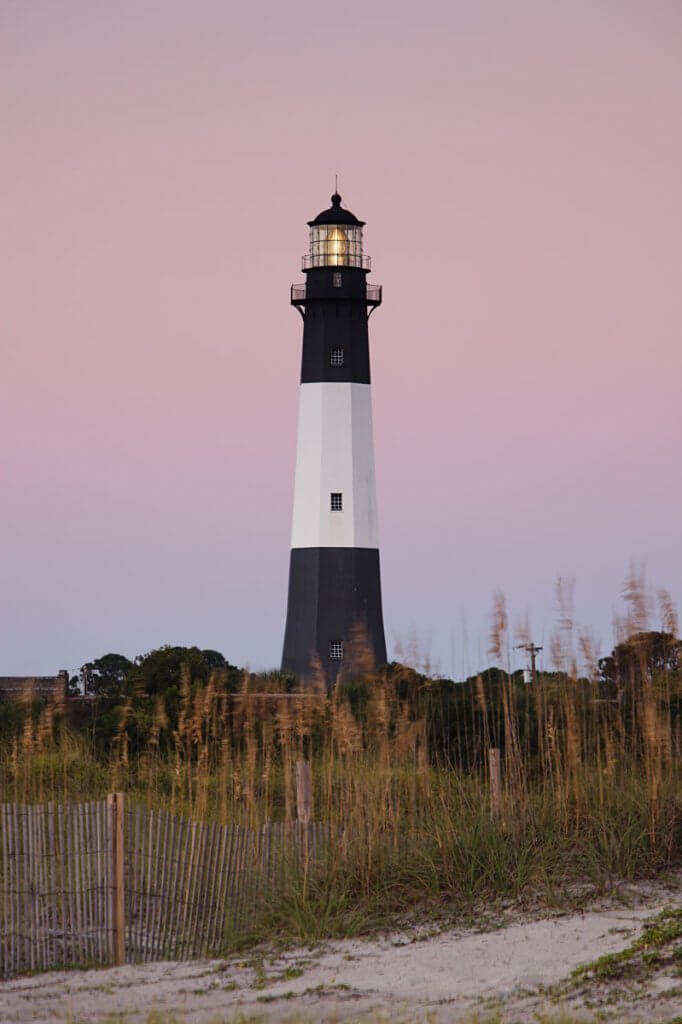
(160, 671)
(106, 675)
(647, 653)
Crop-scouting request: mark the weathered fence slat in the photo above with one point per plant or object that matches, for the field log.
(249, 847)
(20, 926)
(67, 866)
(11, 883)
(137, 875)
(7, 921)
(79, 880)
(86, 879)
(175, 891)
(156, 854)
(220, 922)
(153, 866)
(23, 924)
(203, 892)
(44, 905)
(34, 877)
(208, 892)
(147, 889)
(119, 892)
(92, 883)
(226, 869)
(167, 917)
(195, 890)
(187, 888)
(5, 918)
(192, 828)
(236, 886)
(107, 861)
(213, 881)
(161, 874)
(59, 844)
(97, 875)
(168, 866)
(99, 916)
(12, 888)
(51, 854)
(14, 882)
(98, 882)
(29, 866)
(74, 863)
(81, 840)
(222, 867)
(103, 833)
(41, 887)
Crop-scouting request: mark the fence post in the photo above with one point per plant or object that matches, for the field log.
(115, 802)
(304, 792)
(494, 767)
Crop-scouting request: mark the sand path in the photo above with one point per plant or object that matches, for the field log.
(403, 976)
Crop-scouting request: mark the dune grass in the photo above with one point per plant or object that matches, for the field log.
(590, 782)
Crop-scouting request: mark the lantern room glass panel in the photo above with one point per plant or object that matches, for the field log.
(335, 245)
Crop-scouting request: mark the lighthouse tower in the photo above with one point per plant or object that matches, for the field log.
(334, 577)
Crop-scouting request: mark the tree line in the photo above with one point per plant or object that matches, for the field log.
(146, 696)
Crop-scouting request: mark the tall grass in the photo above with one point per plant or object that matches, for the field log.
(591, 780)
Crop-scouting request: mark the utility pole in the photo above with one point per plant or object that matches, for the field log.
(533, 650)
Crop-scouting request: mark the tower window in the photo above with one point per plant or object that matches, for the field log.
(336, 357)
(337, 279)
(336, 650)
(336, 501)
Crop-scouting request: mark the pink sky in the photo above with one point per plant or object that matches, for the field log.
(519, 167)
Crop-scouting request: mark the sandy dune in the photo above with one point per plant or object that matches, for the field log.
(450, 975)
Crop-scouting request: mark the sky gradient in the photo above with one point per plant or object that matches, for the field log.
(519, 169)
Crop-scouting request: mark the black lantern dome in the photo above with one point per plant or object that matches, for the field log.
(336, 215)
(336, 239)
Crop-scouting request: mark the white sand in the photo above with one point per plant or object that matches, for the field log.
(450, 975)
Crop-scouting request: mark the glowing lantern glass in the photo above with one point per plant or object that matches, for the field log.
(335, 245)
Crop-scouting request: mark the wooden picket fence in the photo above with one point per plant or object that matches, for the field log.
(106, 883)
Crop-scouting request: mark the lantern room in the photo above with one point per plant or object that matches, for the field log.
(336, 239)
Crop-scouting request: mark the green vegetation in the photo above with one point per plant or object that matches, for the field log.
(590, 771)
(659, 945)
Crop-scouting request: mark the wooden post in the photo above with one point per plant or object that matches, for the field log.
(495, 769)
(115, 801)
(304, 792)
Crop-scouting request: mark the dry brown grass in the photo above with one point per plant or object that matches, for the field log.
(591, 781)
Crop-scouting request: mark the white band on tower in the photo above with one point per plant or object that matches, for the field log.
(335, 455)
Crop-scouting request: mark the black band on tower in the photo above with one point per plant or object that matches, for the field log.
(335, 335)
(334, 594)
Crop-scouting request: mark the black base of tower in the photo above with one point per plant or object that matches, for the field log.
(334, 595)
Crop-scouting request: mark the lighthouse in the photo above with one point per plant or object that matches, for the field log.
(334, 616)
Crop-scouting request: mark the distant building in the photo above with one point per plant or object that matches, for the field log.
(42, 687)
